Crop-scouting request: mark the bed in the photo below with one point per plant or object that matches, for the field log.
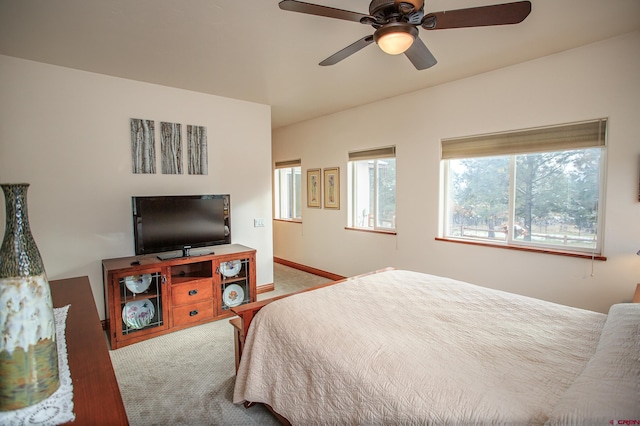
(401, 347)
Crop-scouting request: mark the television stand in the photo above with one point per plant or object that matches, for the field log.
(147, 296)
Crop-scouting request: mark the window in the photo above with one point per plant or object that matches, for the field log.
(288, 193)
(539, 188)
(372, 189)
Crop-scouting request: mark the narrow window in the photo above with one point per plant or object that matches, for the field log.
(372, 189)
(287, 190)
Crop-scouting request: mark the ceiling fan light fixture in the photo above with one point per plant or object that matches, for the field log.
(395, 38)
(395, 43)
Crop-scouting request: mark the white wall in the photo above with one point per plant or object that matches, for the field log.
(599, 80)
(67, 134)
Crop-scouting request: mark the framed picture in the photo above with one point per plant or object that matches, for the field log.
(332, 188)
(314, 185)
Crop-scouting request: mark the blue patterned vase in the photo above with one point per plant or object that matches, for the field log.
(28, 353)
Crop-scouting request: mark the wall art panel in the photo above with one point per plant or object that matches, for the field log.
(143, 152)
(171, 148)
(197, 150)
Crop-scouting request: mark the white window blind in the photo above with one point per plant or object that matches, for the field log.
(589, 134)
(287, 164)
(370, 154)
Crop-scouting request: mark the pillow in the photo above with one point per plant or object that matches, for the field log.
(608, 389)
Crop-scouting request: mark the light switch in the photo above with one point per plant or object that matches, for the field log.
(258, 223)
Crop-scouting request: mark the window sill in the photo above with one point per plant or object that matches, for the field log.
(288, 220)
(529, 249)
(372, 231)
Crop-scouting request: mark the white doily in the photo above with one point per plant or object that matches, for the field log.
(58, 408)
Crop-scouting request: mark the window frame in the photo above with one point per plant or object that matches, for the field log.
(375, 155)
(294, 192)
(596, 139)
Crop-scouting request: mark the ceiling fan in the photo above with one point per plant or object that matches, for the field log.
(396, 24)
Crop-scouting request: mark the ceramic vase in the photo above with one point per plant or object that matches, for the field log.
(28, 353)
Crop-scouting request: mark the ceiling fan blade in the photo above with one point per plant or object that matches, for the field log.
(316, 9)
(498, 14)
(348, 51)
(420, 55)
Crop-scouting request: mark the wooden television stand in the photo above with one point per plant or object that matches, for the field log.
(146, 296)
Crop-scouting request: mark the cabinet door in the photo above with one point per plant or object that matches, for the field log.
(141, 303)
(235, 284)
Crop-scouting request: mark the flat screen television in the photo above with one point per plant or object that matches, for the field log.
(180, 222)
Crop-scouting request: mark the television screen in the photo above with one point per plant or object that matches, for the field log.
(180, 222)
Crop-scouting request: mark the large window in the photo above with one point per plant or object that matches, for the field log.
(540, 188)
(372, 189)
(287, 189)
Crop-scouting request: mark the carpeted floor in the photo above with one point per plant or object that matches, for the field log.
(187, 377)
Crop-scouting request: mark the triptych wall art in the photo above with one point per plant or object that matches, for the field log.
(331, 188)
(143, 150)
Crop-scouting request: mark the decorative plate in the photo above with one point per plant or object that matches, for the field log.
(138, 283)
(231, 268)
(233, 295)
(138, 314)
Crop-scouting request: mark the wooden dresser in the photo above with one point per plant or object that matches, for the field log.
(96, 395)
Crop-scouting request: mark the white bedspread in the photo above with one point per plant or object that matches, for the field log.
(402, 347)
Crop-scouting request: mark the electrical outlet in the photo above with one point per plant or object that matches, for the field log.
(258, 223)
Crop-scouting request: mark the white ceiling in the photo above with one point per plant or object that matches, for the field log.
(251, 50)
